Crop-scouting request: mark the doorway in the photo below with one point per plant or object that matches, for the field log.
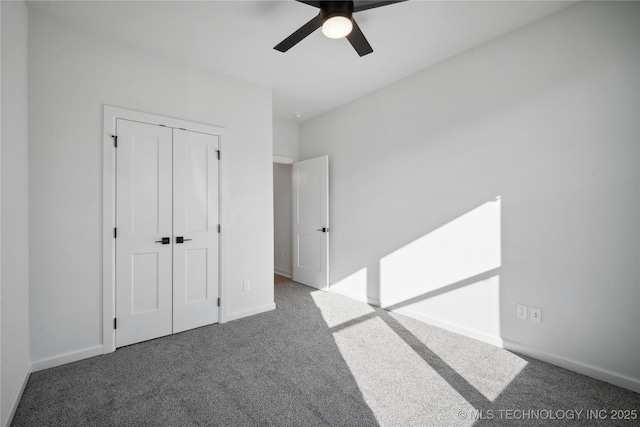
(310, 230)
(301, 221)
(282, 223)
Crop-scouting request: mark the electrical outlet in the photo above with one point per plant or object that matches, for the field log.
(281, 255)
(247, 285)
(536, 315)
(521, 311)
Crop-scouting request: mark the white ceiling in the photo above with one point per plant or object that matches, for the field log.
(318, 74)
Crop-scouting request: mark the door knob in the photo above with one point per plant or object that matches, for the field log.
(164, 241)
(181, 239)
(324, 229)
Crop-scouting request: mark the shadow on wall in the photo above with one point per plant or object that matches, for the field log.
(448, 277)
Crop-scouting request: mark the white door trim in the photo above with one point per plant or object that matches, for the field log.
(284, 160)
(109, 210)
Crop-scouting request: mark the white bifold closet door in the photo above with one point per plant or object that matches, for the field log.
(167, 231)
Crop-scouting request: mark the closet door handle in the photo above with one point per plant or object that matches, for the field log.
(181, 239)
(164, 241)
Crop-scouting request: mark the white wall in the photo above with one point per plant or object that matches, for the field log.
(15, 209)
(285, 138)
(282, 219)
(71, 76)
(507, 174)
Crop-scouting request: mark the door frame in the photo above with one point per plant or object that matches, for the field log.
(111, 114)
(284, 160)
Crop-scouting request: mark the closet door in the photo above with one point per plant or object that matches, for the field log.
(144, 197)
(195, 227)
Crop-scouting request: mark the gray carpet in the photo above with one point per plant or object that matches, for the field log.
(319, 359)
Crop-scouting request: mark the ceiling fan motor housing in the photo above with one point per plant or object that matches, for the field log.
(330, 9)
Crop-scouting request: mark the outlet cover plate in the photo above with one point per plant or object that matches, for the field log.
(536, 315)
(521, 311)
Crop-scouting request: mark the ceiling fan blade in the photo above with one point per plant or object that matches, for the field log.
(359, 41)
(310, 3)
(359, 6)
(299, 34)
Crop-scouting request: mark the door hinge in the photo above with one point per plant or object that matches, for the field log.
(115, 323)
(218, 151)
(115, 233)
(115, 140)
(219, 228)
(218, 302)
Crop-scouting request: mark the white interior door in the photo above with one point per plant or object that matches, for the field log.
(311, 222)
(167, 231)
(195, 223)
(144, 219)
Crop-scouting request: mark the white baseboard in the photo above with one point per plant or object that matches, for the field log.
(471, 333)
(601, 374)
(16, 399)
(63, 359)
(462, 330)
(280, 271)
(251, 312)
(358, 297)
(605, 375)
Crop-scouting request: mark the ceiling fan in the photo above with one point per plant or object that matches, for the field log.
(336, 20)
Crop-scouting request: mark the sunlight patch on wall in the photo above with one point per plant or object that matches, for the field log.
(353, 286)
(449, 276)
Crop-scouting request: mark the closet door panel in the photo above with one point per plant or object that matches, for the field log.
(143, 218)
(195, 226)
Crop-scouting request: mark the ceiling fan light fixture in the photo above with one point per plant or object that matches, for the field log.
(336, 20)
(337, 26)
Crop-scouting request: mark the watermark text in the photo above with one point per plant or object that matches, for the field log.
(549, 414)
